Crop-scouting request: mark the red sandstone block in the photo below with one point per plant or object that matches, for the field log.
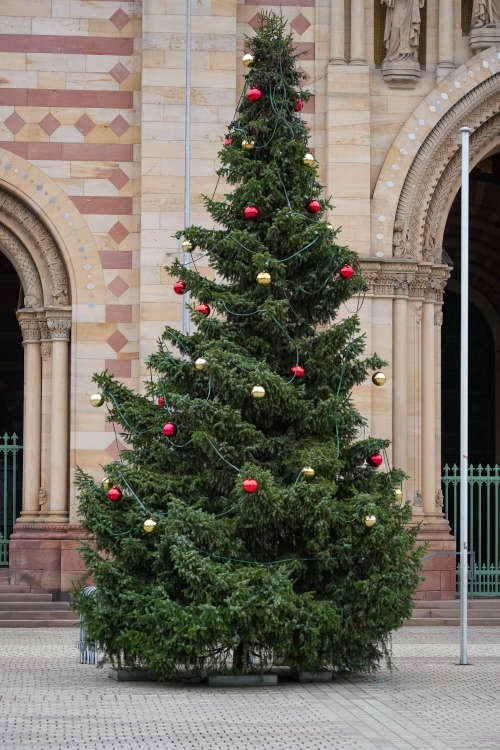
(50, 151)
(306, 50)
(432, 581)
(76, 98)
(13, 96)
(440, 562)
(102, 204)
(97, 152)
(116, 259)
(71, 560)
(80, 45)
(119, 367)
(19, 148)
(28, 558)
(118, 314)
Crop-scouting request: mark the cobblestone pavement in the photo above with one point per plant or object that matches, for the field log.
(49, 701)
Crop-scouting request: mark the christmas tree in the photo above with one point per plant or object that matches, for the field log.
(247, 521)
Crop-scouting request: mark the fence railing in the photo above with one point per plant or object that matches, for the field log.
(10, 486)
(484, 523)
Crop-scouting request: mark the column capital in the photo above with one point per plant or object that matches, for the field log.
(59, 324)
(29, 324)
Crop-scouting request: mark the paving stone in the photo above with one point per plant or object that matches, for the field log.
(427, 701)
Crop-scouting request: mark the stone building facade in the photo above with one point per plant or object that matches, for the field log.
(92, 104)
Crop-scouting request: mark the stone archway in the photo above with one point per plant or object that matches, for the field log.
(45, 321)
(411, 201)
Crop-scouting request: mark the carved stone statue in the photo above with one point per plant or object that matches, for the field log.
(402, 29)
(485, 24)
(401, 40)
(485, 13)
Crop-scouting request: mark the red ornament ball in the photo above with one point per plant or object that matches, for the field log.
(313, 207)
(227, 142)
(251, 212)
(203, 309)
(299, 105)
(374, 460)
(115, 494)
(180, 287)
(250, 485)
(347, 271)
(169, 429)
(253, 95)
(161, 401)
(298, 371)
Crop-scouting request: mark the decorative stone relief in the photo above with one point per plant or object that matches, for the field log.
(29, 326)
(22, 223)
(400, 278)
(25, 267)
(401, 67)
(59, 327)
(434, 176)
(485, 24)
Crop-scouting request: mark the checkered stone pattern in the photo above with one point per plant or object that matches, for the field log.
(69, 104)
(426, 702)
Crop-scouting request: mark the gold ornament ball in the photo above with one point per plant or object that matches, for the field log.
(378, 378)
(330, 227)
(200, 363)
(308, 471)
(398, 494)
(308, 160)
(247, 59)
(149, 525)
(96, 399)
(370, 521)
(264, 278)
(247, 145)
(258, 391)
(106, 484)
(186, 246)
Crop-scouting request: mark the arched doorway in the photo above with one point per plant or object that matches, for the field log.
(37, 293)
(484, 374)
(11, 404)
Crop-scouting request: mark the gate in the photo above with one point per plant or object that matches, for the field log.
(10, 489)
(484, 524)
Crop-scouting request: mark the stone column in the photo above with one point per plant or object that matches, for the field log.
(438, 322)
(400, 375)
(46, 352)
(358, 54)
(428, 410)
(445, 38)
(31, 414)
(337, 32)
(59, 326)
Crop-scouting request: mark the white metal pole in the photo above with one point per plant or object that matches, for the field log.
(186, 323)
(464, 393)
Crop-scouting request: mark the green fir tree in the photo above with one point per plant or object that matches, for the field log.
(231, 579)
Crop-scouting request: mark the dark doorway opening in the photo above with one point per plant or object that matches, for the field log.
(11, 367)
(11, 404)
(481, 385)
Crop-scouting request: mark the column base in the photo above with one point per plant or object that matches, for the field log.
(28, 515)
(444, 69)
(56, 516)
(440, 560)
(45, 555)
